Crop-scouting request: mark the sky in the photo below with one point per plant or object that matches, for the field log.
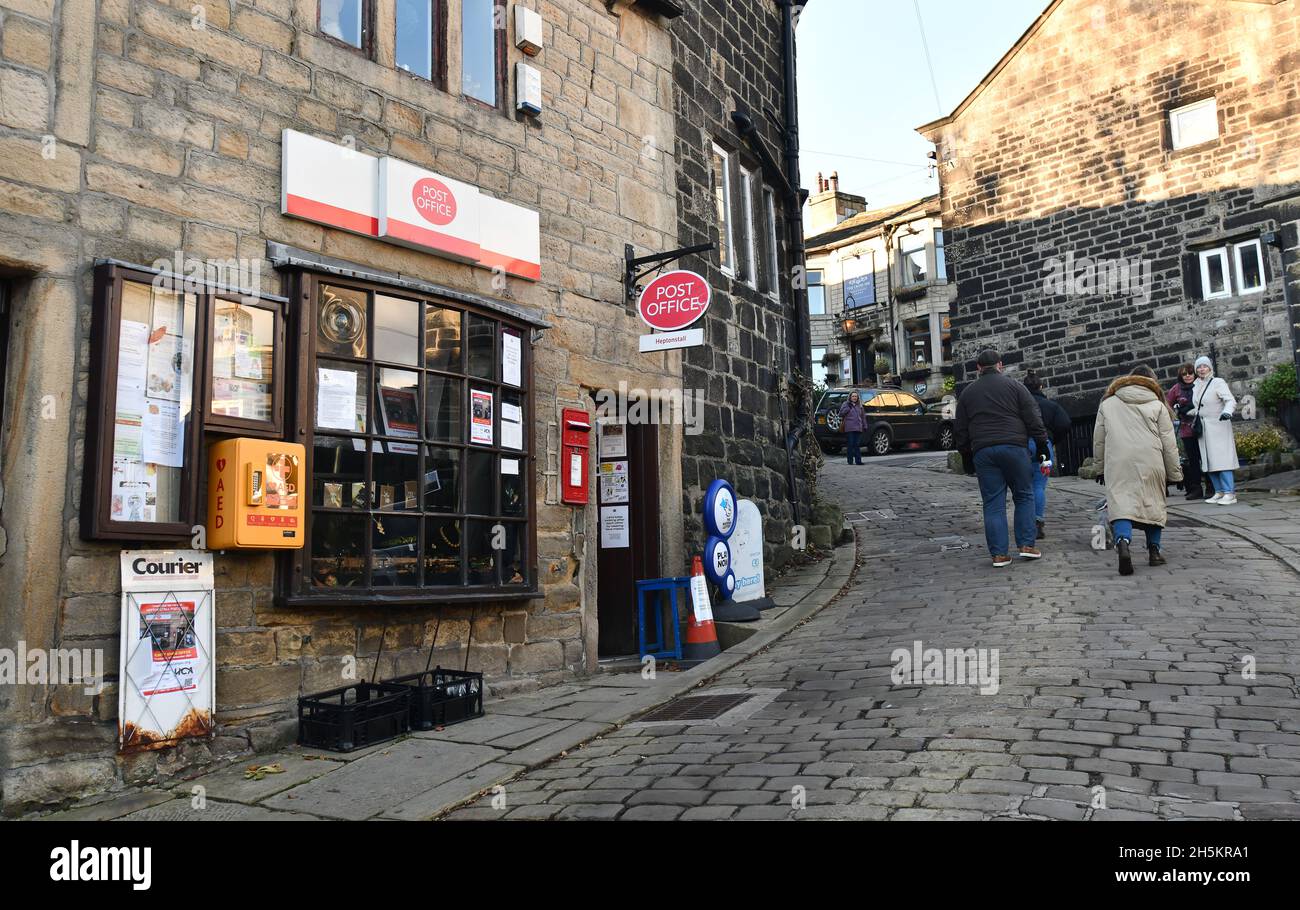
(864, 86)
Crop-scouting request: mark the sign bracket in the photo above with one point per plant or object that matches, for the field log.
(633, 272)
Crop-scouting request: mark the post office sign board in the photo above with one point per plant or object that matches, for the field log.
(674, 300)
(329, 184)
(427, 211)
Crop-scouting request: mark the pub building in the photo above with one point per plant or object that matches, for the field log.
(332, 306)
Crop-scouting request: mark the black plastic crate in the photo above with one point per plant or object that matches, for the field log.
(440, 697)
(362, 714)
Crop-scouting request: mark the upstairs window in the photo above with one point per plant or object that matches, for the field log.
(1194, 124)
(773, 244)
(747, 227)
(911, 259)
(416, 28)
(722, 205)
(347, 21)
(482, 50)
(1232, 269)
(816, 293)
(940, 260)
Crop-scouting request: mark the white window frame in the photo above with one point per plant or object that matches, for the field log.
(750, 271)
(821, 284)
(940, 257)
(818, 364)
(722, 205)
(904, 278)
(773, 248)
(1177, 139)
(1259, 258)
(1205, 255)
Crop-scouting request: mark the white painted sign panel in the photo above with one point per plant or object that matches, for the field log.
(667, 341)
(747, 552)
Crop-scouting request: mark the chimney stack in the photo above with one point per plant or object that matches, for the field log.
(835, 182)
(828, 207)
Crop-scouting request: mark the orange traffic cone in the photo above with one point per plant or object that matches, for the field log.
(700, 641)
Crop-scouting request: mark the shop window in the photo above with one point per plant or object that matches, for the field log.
(918, 343)
(416, 417)
(418, 29)
(482, 51)
(816, 293)
(172, 358)
(722, 207)
(347, 21)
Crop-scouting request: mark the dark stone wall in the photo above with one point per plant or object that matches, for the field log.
(727, 56)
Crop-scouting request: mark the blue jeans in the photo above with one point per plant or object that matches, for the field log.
(1223, 481)
(1040, 479)
(1124, 531)
(854, 442)
(999, 468)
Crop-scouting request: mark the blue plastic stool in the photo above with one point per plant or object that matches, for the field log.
(659, 648)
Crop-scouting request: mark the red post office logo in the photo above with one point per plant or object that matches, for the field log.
(434, 201)
(674, 300)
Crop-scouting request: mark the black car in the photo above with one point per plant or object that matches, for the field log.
(894, 419)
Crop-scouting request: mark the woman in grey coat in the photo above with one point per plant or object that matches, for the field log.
(1213, 404)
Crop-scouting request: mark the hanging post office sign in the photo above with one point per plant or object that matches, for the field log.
(674, 301)
(167, 687)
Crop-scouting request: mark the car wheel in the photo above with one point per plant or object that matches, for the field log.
(830, 448)
(833, 422)
(880, 442)
(946, 438)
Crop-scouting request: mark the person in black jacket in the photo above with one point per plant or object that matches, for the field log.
(1058, 424)
(996, 419)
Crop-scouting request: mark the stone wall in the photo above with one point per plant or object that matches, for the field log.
(131, 129)
(727, 57)
(1066, 152)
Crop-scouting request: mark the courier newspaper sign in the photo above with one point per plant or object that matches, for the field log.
(671, 303)
(166, 691)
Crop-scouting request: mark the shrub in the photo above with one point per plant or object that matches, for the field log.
(1252, 444)
(949, 384)
(1278, 387)
(882, 366)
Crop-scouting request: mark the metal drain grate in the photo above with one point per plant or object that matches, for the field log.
(695, 707)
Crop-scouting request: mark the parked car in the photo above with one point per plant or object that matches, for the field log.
(894, 419)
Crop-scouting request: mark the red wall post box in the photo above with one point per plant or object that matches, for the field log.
(575, 453)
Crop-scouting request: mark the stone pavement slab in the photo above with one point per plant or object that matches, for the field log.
(232, 785)
(183, 809)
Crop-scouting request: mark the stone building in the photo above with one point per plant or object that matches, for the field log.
(879, 294)
(1121, 187)
(737, 185)
(276, 145)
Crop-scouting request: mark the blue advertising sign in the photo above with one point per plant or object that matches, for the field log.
(859, 291)
(720, 509)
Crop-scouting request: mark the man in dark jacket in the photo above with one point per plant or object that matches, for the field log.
(996, 419)
(1058, 425)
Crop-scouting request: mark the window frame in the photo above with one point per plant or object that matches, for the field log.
(940, 257)
(1204, 256)
(723, 209)
(904, 258)
(774, 244)
(746, 219)
(500, 49)
(1259, 259)
(820, 284)
(367, 46)
(295, 585)
(1175, 131)
(438, 76)
(818, 363)
(221, 423)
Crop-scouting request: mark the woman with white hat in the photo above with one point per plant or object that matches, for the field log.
(1212, 406)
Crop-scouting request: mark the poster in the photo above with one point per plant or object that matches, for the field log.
(480, 420)
(510, 466)
(167, 358)
(336, 400)
(747, 552)
(512, 426)
(614, 528)
(511, 359)
(133, 490)
(128, 420)
(611, 439)
(163, 441)
(166, 691)
(400, 412)
(613, 481)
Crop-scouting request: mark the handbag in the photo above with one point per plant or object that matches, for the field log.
(1198, 425)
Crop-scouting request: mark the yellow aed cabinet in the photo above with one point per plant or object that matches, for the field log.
(255, 495)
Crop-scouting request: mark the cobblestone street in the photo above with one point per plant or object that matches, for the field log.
(1119, 697)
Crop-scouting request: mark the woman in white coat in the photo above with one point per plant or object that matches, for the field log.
(1213, 404)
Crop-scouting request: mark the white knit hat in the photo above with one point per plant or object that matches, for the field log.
(1204, 361)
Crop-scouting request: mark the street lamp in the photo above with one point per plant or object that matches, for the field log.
(849, 325)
